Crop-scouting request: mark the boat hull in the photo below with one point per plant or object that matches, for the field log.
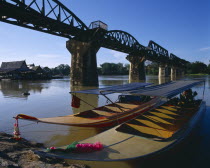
(121, 146)
(101, 121)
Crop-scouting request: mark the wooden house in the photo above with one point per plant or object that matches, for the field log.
(14, 70)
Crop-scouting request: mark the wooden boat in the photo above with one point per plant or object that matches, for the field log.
(109, 115)
(150, 133)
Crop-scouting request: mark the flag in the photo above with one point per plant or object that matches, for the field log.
(75, 102)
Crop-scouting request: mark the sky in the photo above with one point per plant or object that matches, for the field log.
(180, 26)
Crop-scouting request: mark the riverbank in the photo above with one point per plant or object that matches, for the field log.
(20, 154)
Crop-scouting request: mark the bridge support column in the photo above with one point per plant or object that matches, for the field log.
(173, 73)
(178, 72)
(137, 68)
(182, 72)
(163, 71)
(83, 63)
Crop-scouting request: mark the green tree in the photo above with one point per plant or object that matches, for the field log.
(62, 69)
(152, 68)
(208, 69)
(196, 67)
(113, 69)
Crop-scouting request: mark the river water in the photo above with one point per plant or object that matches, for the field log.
(50, 98)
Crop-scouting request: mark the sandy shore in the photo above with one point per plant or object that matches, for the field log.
(20, 154)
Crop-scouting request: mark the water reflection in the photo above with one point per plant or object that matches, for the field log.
(15, 89)
(112, 82)
(87, 101)
(163, 80)
(71, 134)
(54, 100)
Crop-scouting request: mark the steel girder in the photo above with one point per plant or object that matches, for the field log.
(123, 42)
(157, 53)
(177, 62)
(49, 16)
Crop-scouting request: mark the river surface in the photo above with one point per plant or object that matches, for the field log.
(51, 98)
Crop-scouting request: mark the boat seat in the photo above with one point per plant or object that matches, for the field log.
(162, 115)
(166, 111)
(104, 113)
(129, 106)
(157, 119)
(152, 131)
(171, 108)
(150, 124)
(116, 109)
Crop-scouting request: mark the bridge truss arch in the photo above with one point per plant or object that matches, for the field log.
(121, 41)
(157, 53)
(49, 16)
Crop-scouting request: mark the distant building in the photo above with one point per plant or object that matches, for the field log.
(20, 70)
(15, 69)
(30, 66)
(14, 66)
(38, 69)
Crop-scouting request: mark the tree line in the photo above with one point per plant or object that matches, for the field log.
(113, 69)
(62, 70)
(151, 68)
(191, 68)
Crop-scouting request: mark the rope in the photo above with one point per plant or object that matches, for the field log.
(19, 127)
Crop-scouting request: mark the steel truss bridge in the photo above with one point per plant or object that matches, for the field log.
(51, 16)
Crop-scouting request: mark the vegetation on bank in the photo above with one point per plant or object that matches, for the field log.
(113, 69)
(62, 69)
(195, 68)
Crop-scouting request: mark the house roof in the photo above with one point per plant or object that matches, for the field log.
(30, 65)
(35, 68)
(12, 65)
(19, 66)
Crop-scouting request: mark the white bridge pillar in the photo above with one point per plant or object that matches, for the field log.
(163, 71)
(137, 68)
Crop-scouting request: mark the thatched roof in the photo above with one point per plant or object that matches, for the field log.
(37, 68)
(13, 66)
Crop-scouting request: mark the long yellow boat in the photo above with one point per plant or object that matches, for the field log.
(115, 113)
(150, 133)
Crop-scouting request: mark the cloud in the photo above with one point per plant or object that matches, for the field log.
(117, 54)
(204, 49)
(48, 56)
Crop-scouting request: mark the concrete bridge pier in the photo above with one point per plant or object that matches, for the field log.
(163, 71)
(173, 73)
(182, 72)
(137, 68)
(178, 72)
(83, 63)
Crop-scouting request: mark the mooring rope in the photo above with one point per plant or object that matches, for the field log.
(19, 126)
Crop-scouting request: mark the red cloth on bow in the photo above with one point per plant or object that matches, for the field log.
(75, 102)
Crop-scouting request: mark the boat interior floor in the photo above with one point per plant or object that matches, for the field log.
(161, 122)
(110, 110)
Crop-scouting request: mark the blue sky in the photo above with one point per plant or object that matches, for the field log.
(180, 26)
